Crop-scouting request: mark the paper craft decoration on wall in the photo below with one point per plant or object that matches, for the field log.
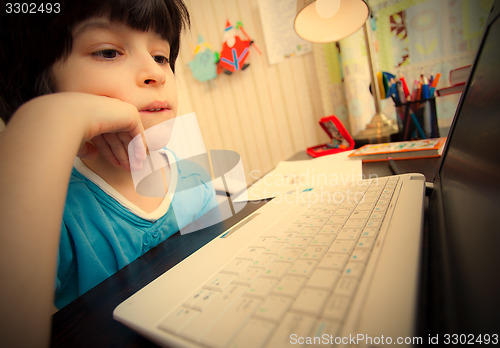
(235, 50)
(204, 64)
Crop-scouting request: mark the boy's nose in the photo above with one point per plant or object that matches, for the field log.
(150, 73)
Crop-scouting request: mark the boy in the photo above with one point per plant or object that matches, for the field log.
(111, 65)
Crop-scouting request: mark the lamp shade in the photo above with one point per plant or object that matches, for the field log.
(313, 26)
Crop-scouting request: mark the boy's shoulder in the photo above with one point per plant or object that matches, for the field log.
(81, 186)
(77, 178)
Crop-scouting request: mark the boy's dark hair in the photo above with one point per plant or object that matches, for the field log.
(31, 43)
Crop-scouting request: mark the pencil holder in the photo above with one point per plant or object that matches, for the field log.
(417, 120)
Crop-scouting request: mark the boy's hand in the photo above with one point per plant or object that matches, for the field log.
(37, 149)
(110, 131)
(108, 124)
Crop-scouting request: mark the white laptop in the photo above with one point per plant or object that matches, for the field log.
(352, 266)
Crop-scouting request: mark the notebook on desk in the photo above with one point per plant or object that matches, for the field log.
(352, 265)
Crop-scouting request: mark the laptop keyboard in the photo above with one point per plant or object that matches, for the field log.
(299, 280)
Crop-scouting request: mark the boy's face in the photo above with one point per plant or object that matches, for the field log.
(113, 60)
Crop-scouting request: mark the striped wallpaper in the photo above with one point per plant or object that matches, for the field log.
(266, 113)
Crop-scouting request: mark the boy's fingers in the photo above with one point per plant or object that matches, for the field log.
(118, 148)
(87, 150)
(105, 150)
(117, 117)
(125, 138)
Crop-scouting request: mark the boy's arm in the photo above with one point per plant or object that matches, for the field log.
(37, 149)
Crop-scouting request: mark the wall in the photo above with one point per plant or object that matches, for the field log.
(266, 113)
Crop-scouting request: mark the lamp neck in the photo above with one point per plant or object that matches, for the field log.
(372, 65)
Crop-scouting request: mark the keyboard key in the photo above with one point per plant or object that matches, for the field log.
(262, 242)
(250, 253)
(342, 212)
(193, 298)
(263, 260)
(277, 269)
(298, 224)
(300, 242)
(355, 223)
(354, 269)
(374, 222)
(248, 276)
(380, 207)
(332, 229)
(382, 180)
(323, 279)
(255, 334)
(342, 246)
(313, 252)
(220, 282)
(346, 287)
(310, 231)
(285, 237)
(294, 228)
(289, 254)
(293, 323)
(327, 327)
(386, 195)
(201, 299)
(196, 328)
(351, 204)
(372, 194)
(322, 240)
(371, 232)
(392, 180)
(273, 308)
(229, 324)
(337, 220)
(313, 221)
(336, 307)
(364, 206)
(349, 233)
(323, 213)
(289, 286)
(365, 242)
(377, 215)
(237, 266)
(178, 319)
(302, 267)
(333, 261)
(370, 199)
(262, 287)
(360, 255)
(361, 214)
(274, 248)
(310, 301)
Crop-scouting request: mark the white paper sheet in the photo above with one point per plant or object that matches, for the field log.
(294, 176)
(277, 17)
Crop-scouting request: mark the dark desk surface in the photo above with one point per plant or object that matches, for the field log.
(88, 321)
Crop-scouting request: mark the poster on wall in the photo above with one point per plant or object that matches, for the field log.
(277, 17)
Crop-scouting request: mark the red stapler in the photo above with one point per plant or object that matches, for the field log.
(341, 140)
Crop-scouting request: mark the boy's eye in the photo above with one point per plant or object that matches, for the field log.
(161, 59)
(107, 54)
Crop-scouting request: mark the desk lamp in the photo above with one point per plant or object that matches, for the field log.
(324, 21)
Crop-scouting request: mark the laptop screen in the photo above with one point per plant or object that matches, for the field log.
(469, 189)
